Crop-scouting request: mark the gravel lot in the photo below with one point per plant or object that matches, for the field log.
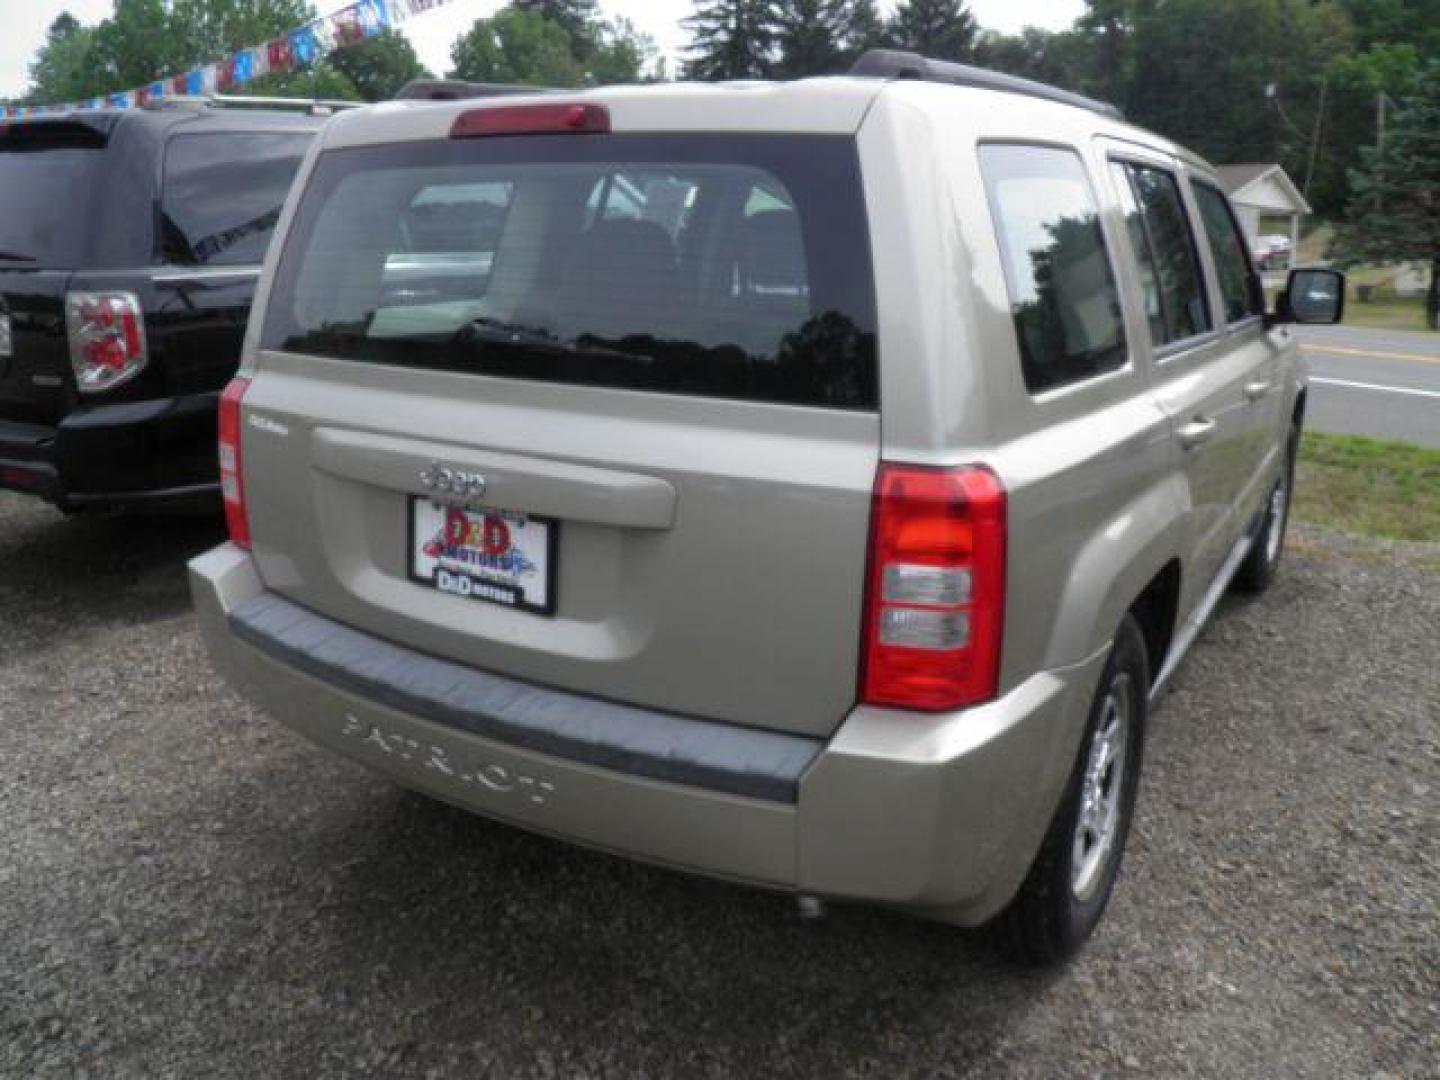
(188, 890)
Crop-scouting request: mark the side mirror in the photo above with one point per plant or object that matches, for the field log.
(1314, 297)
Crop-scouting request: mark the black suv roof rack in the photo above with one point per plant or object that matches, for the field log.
(313, 106)
(460, 90)
(896, 64)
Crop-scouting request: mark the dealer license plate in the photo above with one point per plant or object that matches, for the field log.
(496, 556)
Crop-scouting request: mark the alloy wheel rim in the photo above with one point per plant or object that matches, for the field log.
(1276, 532)
(1102, 790)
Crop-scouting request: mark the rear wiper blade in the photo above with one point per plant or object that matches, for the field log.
(16, 256)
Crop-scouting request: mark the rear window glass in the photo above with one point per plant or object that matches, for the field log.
(222, 195)
(1062, 290)
(48, 177)
(717, 266)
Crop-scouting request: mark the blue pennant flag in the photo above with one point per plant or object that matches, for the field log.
(303, 45)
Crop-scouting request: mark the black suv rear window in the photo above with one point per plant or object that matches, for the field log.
(223, 192)
(49, 175)
(719, 266)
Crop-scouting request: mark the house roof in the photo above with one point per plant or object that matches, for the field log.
(1237, 178)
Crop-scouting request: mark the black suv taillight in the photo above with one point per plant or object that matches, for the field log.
(107, 338)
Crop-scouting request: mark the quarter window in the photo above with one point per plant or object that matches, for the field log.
(1062, 288)
(1170, 279)
(223, 193)
(1239, 285)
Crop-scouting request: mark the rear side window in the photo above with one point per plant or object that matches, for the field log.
(1062, 288)
(1172, 287)
(717, 266)
(1240, 287)
(222, 195)
(50, 174)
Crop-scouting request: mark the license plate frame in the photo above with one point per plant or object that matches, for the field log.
(471, 565)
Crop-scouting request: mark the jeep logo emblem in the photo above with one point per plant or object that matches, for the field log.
(459, 485)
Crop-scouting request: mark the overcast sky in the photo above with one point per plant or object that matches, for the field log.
(23, 24)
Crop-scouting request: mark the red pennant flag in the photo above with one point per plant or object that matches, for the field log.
(180, 85)
(348, 29)
(282, 57)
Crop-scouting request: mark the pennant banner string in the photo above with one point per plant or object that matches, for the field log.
(299, 48)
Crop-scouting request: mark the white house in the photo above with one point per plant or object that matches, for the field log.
(1264, 191)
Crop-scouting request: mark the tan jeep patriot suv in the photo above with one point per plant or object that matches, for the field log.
(805, 484)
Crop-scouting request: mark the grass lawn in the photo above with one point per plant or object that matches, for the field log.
(1370, 487)
(1386, 312)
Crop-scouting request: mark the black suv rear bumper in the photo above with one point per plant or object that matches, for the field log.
(128, 454)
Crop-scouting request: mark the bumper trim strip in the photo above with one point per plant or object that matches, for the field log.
(660, 746)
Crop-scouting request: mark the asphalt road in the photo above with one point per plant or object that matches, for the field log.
(1380, 383)
(188, 889)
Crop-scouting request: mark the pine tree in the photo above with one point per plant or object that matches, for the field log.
(1394, 213)
(939, 29)
(731, 39)
(811, 36)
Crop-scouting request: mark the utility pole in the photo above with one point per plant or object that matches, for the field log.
(1315, 136)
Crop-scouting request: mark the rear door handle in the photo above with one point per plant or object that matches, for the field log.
(1198, 431)
(1257, 389)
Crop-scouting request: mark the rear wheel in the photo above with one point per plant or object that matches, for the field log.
(1258, 570)
(1072, 878)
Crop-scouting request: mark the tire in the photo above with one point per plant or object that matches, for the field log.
(1258, 570)
(1070, 882)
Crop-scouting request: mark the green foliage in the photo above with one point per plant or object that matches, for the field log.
(378, 66)
(61, 69)
(517, 46)
(319, 80)
(940, 29)
(731, 39)
(523, 44)
(823, 37)
(578, 18)
(1394, 211)
(620, 53)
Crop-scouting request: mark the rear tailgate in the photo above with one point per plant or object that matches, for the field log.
(34, 356)
(50, 172)
(620, 439)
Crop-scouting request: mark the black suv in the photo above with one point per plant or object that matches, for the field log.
(130, 243)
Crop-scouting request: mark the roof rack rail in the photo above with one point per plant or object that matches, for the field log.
(896, 64)
(313, 106)
(460, 90)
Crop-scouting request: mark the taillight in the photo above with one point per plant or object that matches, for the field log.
(549, 119)
(107, 338)
(935, 594)
(232, 483)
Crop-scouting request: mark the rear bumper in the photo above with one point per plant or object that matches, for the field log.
(131, 453)
(941, 813)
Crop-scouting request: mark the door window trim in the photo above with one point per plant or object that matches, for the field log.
(1171, 351)
(1196, 179)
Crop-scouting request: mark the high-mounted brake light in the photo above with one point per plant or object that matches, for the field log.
(232, 482)
(935, 592)
(545, 119)
(107, 338)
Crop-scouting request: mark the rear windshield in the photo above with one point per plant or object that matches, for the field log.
(719, 266)
(222, 194)
(48, 178)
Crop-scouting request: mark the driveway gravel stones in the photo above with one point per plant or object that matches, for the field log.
(186, 889)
